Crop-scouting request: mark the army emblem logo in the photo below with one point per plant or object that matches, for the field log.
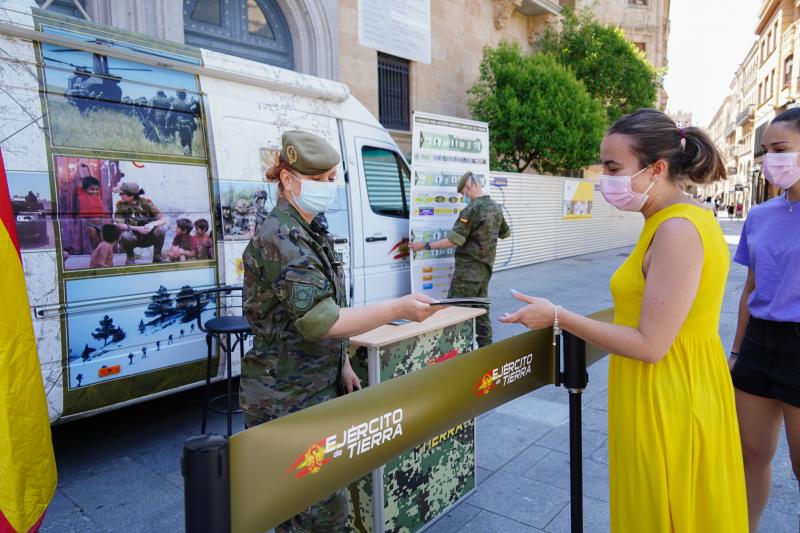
(311, 461)
(485, 385)
(504, 375)
(291, 153)
(302, 296)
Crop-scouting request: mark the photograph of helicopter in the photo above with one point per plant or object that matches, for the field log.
(104, 103)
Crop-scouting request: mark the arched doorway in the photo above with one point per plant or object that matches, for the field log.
(253, 29)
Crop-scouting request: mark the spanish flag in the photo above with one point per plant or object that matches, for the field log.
(27, 464)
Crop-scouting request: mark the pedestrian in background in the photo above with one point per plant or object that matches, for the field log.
(295, 302)
(675, 461)
(474, 236)
(765, 358)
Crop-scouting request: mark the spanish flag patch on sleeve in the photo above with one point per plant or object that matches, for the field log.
(463, 220)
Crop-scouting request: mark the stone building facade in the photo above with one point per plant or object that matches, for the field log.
(321, 37)
(765, 84)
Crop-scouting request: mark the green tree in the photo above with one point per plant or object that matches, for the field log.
(540, 117)
(107, 330)
(161, 305)
(614, 71)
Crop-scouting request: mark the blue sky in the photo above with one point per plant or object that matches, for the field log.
(19, 183)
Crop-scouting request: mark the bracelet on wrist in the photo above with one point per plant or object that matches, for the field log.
(427, 246)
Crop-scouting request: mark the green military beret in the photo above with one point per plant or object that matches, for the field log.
(307, 153)
(463, 181)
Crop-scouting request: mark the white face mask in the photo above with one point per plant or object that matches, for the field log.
(618, 191)
(315, 196)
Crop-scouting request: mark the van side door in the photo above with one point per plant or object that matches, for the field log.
(384, 183)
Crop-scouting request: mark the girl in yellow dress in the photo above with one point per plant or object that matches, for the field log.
(675, 459)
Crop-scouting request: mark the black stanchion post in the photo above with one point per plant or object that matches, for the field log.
(206, 484)
(575, 379)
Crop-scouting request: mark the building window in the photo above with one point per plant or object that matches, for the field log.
(388, 182)
(66, 7)
(775, 35)
(787, 70)
(637, 2)
(641, 46)
(772, 83)
(770, 43)
(252, 29)
(758, 149)
(763, 50)
(394, 107)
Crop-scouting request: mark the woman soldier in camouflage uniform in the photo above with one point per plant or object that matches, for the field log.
(295, 301)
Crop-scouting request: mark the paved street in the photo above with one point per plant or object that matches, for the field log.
(120, 471)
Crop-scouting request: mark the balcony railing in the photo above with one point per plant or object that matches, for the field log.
(745, 115)
(729, 128)
(742, 149)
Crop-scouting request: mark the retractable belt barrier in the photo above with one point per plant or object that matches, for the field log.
(262, 476)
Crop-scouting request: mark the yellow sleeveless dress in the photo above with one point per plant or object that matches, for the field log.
(675, 459)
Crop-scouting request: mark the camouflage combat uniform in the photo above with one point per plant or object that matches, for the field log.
(139, 214)
(160, 105)
(293, 290)
(475, 235)
(181, 119)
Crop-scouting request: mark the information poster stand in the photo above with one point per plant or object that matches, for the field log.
(442, 150)
(416, 487)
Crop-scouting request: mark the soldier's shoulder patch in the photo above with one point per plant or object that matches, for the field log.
(302, 296)
(463, 220)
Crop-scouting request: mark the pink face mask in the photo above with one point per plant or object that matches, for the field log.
(781, 169)
(618, 191)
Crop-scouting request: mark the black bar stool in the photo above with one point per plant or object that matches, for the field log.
(234, 330)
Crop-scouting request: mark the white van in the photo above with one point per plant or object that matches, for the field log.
(91, 112)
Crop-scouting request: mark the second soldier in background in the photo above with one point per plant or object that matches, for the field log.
(474, 236)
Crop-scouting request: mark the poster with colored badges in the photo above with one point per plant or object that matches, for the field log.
(443, 149)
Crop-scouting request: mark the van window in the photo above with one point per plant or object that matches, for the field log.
(388, 182)
(336, 214)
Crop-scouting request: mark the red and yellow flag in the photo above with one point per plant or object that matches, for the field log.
(27, 464)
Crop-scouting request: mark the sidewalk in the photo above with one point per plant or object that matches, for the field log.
(121, 471)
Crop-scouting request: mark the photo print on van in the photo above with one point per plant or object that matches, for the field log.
(103, 103)
(120, 326)
(129, 213)
(32, 206)
(243, 206)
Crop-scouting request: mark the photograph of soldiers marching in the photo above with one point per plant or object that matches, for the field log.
(400, 265)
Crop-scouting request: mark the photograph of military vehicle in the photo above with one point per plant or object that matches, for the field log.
(32, 208)
(100, 102)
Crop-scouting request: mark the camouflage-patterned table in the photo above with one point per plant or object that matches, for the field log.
(418, 486)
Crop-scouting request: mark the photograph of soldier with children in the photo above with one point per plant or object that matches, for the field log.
(126, 213)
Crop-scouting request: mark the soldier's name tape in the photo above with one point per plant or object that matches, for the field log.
(282, 467)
